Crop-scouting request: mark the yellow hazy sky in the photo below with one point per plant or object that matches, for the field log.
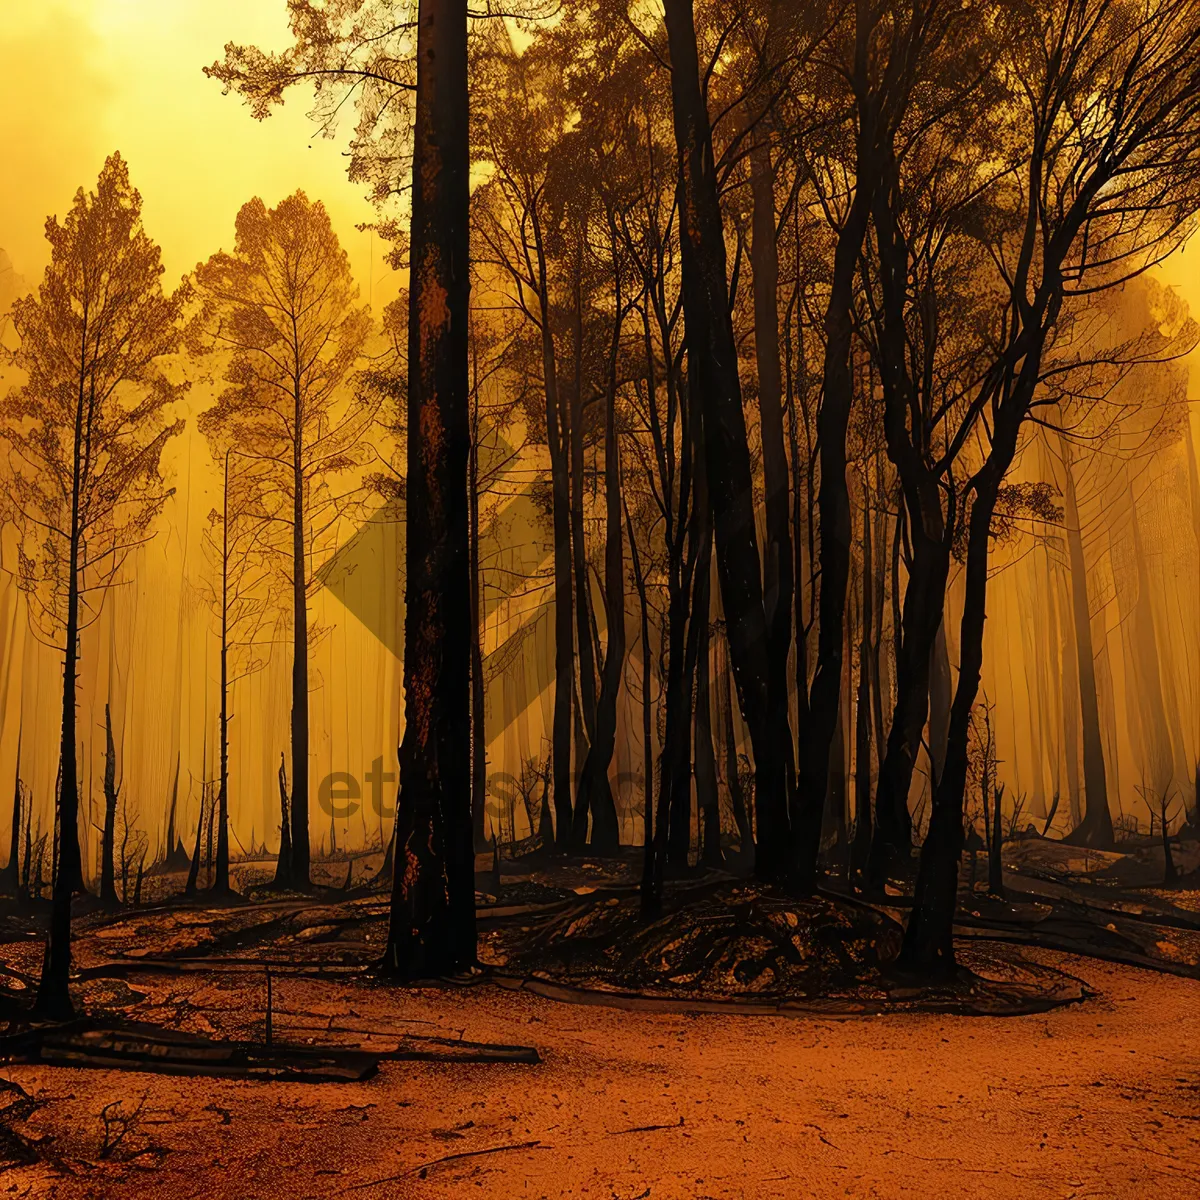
(81, 78)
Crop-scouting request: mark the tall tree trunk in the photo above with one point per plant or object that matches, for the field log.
(299, 820)
(679, 832)
(54, 996)
(778, 579)
(478, 694)
(108, 889)
(880, 676)
(928, 945)
(713, 377)
(564, 650)
(647, 707)
(583, 591)
(220, 883)
(432, 926)
(208, 850)
(833, 506)
(996, 844)
(595, 793)
(29, 853)
(862, 709)
(1096, 829)
(928, 569)
(837, 793)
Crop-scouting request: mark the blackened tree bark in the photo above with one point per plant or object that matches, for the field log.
(713, 375)
(560, 501)
(583, 591)
(478, 694)
(432, 926)
(595, 793)
(996, 844)
(908, 435)
(193, 877)
(299, 816)
(833, 504)
(862, 709)
(639, 581)
(1120, 174)
(929, 937)
(108, 885)
(283, 864)
(220, 882)
(680, 704)
(778, 565)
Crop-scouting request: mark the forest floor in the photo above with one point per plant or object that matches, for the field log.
(1095, 1098)
(1100, 1099)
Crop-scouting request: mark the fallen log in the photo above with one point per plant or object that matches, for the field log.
(167, 1052)
(139, 1047)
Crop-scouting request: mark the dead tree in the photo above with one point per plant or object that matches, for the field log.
(283, 864)
(112, 791)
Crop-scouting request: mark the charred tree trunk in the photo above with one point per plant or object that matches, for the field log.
(54, 995)
(778, 579)
(837, 794)
(862, 709)
(220, 883)
(921, 497)
(879, 679)
(194, 870)
(299, 817)
(713, 377)
(283, 864)
(674, 758)
(996, 844)
(564, 649)
(208, 850)
(647, 707)
(108, 887)
(583, 591)
(595, 793)
(432, 926)
(176, 856)
(928, 945)
(833, 506)
(478, 694)
(25, 866)
(679, 832)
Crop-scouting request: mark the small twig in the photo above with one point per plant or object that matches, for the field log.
(420, 1170)
(647, 1128)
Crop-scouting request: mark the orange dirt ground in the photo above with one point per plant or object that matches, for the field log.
(1100, 1099)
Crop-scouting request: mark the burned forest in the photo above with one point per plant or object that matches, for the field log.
(600, 599)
